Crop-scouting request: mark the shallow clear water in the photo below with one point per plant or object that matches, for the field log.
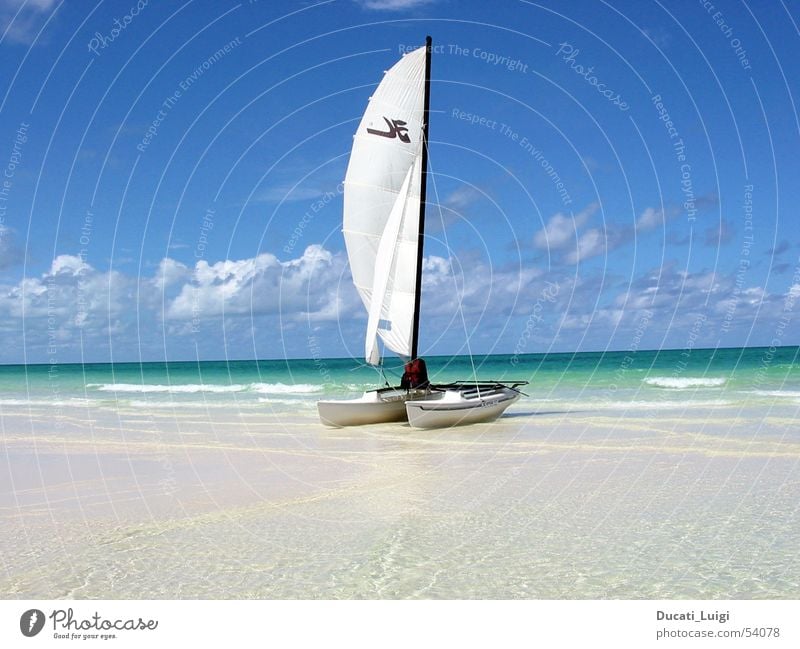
(612, 479)
(641, 379)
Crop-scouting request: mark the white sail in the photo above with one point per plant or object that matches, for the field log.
(382, 301)
(383, 179)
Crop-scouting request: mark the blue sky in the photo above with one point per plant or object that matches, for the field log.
(604, 175)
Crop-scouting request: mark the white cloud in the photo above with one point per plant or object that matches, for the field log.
(563, 233)
(70, 294)
(561, 230)
(21, 20)
(75, 304)
(69, 265)
(590, 244)
(306, 286)
(79, 308)
(462, 198)
(393, 5)
(475, 287)
(649, 219)
(699, 308)
(169, 273)
(10, 253)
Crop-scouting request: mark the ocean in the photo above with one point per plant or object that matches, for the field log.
(640, 380)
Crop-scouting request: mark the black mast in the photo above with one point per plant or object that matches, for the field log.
(422, 191)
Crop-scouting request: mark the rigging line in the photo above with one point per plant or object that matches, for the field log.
(435, 188)
(383, 375)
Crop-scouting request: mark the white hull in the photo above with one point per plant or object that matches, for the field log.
(460, 406)
(373, 407)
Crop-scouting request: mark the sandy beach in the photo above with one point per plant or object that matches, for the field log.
(226, 502)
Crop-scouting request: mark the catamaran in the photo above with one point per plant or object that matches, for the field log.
(383, 226)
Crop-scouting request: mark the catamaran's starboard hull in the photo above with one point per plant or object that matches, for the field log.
(460, 407)
(374, 407)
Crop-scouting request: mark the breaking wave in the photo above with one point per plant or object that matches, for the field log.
(146, 388)
(684, 383)
(192, 388)
(780, 394)
(283, 388)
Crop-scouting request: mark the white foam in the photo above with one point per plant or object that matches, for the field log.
(684, 383)
(178, 405)
(785, 394)
(73, 402)
(283, 388)
(192, 388)
(187, 388)
(662, 405)
(294, 403)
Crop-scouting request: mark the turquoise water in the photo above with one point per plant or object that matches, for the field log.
(661, 475)
(644, 378)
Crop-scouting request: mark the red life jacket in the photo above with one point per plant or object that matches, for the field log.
(416, 374)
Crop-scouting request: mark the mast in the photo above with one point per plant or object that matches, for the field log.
(422, 191)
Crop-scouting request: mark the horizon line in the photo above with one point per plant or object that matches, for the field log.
(343, 358)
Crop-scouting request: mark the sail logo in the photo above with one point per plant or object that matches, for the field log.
(397, 129)
(31, 622)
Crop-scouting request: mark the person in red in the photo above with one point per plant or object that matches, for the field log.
(415, 375)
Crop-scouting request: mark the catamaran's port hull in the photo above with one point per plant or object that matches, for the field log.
(459, 408)
(374, 407)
